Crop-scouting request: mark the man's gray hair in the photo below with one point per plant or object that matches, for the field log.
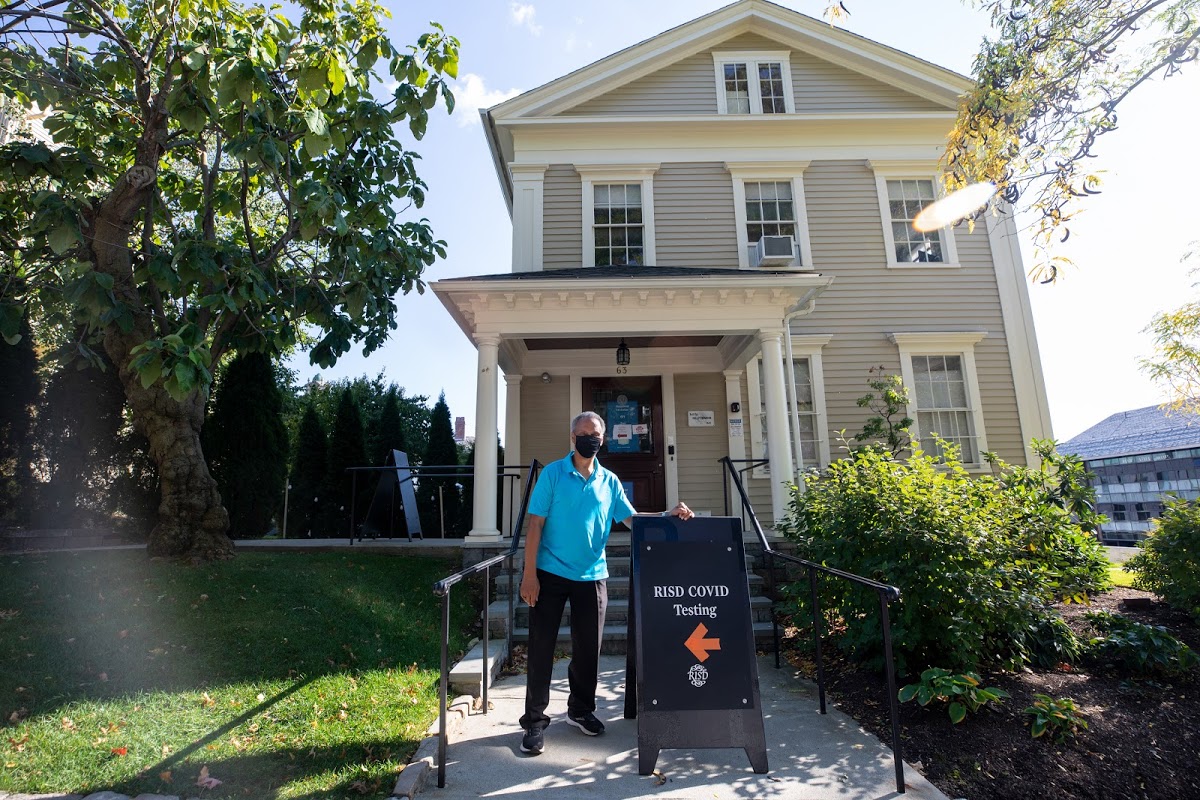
(592, 415)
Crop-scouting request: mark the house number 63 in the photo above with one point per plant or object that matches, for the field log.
(622, 370)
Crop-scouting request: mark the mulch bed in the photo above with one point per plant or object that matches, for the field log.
(1143, 739)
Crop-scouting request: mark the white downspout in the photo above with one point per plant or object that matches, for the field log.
(801, 309)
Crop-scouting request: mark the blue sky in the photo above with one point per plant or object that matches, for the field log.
(1127, 245)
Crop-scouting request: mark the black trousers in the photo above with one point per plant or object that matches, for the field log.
(589, 601)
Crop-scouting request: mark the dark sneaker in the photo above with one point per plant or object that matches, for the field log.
(533, 742)
(586, 722)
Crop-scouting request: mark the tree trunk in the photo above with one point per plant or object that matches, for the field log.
(192, 523)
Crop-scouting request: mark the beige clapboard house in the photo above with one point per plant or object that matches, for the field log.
(727, 198)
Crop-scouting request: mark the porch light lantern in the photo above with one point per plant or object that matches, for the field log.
(622, 353)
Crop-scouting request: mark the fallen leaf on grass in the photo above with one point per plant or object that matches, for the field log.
(120, 751)
(205, 781)
(18, 715)
(103, 676)
(69, 725)
(360, 787)
(261, 697)
(206, 701)
(123, 634)
(18, 745)
(165, 776)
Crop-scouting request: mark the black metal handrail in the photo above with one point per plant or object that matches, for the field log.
(886, 592)
(442, 589)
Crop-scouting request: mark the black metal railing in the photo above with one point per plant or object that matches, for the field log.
(442, 589)
(887, 594)
(508, 476)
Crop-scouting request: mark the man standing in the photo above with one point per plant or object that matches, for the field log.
(571, 513)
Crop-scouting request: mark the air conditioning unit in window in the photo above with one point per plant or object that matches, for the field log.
(775, 251)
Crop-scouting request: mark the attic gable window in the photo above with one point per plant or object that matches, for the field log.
(754, 83)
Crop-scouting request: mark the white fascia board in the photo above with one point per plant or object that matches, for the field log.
(691, 120)
(499, 161)
(742, 281)
(799, 31)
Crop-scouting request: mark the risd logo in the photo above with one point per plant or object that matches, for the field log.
(697, 675)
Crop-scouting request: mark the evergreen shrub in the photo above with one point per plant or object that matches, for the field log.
(1168, 563)
(978, 558)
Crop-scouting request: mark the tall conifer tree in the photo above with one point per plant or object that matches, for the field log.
(347, 448)
(309, 468)
(246, 444)
(442, 452)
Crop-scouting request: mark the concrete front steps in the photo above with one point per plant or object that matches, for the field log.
(616, 619)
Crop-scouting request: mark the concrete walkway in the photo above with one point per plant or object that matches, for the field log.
(810, 756)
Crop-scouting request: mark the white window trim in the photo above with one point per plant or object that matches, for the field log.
(752, 58)
(803, 346)
(592, 174)
(910, 170)
(771, 171)
(945, 343)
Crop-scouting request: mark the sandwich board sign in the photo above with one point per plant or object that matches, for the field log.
(692, 675)
(381, 514)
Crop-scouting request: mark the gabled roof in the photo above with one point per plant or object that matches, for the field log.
(1142, 430)
(789, 27)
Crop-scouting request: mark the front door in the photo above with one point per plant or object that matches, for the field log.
(633, 440)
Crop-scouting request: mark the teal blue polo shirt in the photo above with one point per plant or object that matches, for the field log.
(579, 514)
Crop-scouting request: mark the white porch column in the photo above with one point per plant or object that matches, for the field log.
(486, 412)
(512, 448)
(778, 447)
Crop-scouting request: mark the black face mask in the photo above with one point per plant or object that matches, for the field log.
(587, 446)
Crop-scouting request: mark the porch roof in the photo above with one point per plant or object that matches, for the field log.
(732, 305)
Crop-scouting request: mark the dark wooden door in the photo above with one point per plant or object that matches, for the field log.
(634, 442)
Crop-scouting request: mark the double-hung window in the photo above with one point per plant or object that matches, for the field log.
(808, 416)
(754, 83)
(769, 201)
(938, 370)
(618, 215)
(617, 228)
(904, 190)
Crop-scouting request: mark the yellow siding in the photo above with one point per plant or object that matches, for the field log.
(699, 449)
(562, 217)
(693, 216)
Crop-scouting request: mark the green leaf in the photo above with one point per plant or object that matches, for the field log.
(1038, 728)
(63, 238)
(104, 280)
(316, 146)
(195, 59)
(150, 372)
(317, 124)
(337, 77)
(908, 693)
(192, 118)
(958, 713)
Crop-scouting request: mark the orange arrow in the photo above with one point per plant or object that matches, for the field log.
(699, 645)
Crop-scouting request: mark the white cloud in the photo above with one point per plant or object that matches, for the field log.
(470, 95)
(524, 14)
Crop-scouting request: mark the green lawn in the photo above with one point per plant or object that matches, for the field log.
(287, 675)
(1119, 576)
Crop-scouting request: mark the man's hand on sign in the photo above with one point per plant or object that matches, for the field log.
(681, 511)
(530, 588)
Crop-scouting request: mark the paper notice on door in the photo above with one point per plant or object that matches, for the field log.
(623, 433)
(641, 430)
(735, 428)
